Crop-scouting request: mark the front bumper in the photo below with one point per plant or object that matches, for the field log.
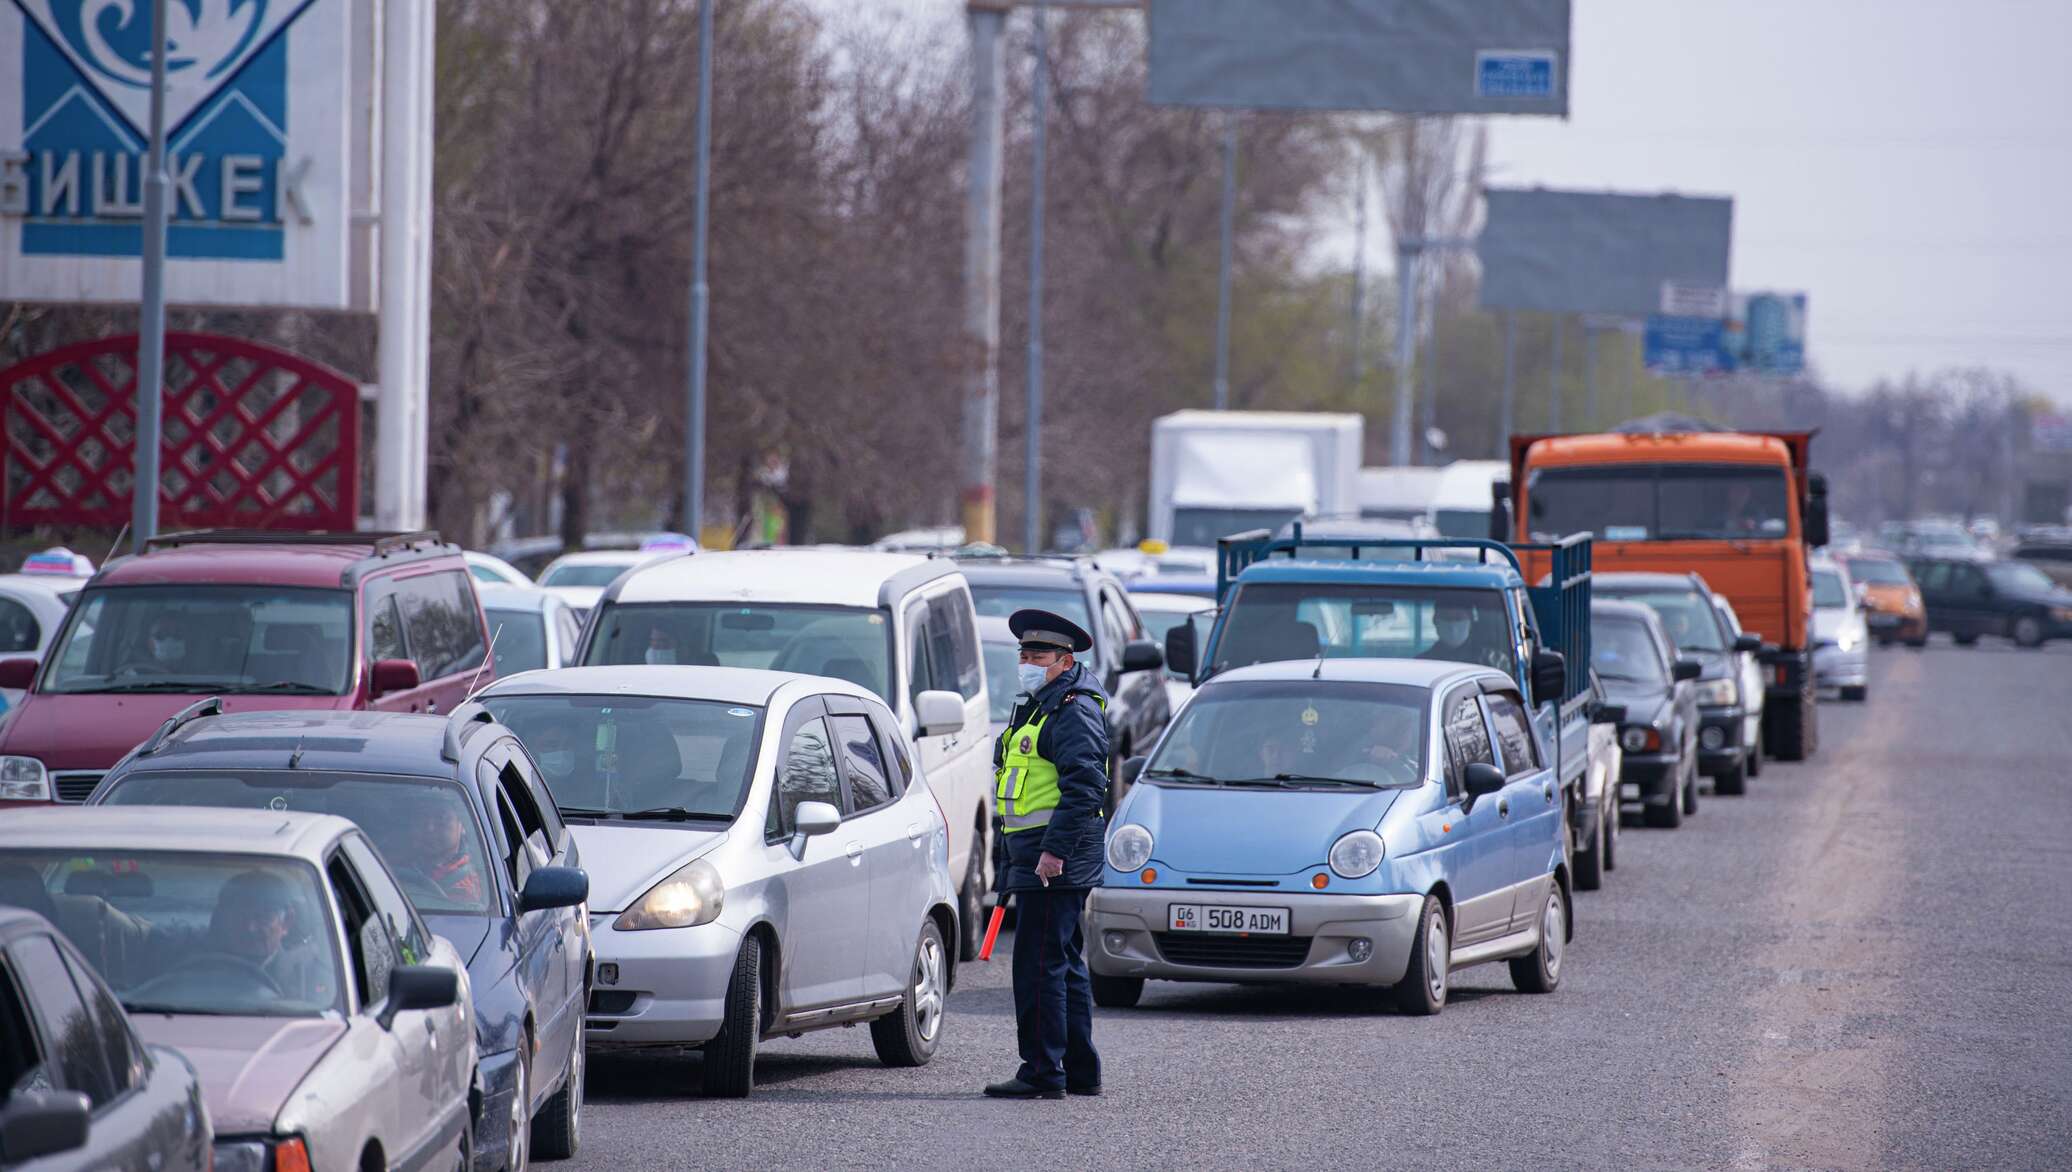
(1836, 668)
(1649, 777)
(671, 986)
(1720, 733)
(1888, 625)
(497, 1075)
(1126, 937)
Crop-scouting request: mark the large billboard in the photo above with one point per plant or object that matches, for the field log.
(259, 97)
(1591, 252)
(1405, 56)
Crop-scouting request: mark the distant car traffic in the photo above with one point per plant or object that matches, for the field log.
(32, 607)
(579, 579)
(457, 810)
(530, 627)
(491, 570)
(899, 625)
(1637, 663)
(1841, 637)
(1594, 829)
(1369, 822)
(78, 1087)
(1969, 598)
(1160, 614)
(1892, 606)
(766, 857)
(261, 620)
(1753, 672)
(1697, 632)
(277, 952)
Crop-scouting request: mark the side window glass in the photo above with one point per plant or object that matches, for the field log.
(1467, 738)
(21, 1067)
(864, 762)
(571, 633)
(952, 615)
(389, 902)
(69, 1036)
(1114, 628)
(530, 795)
(373, 949)
(385, 629)
(920, 678)
(895, 751)
(807, 775)
(118, 1046)
(942, 647)
(19, 629)
(1521, 754)
(439, 614)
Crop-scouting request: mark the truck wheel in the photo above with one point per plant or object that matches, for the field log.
(1734, 782)
(2028, 632)
(1793, 728)
(1117, 992)
(1590, 864)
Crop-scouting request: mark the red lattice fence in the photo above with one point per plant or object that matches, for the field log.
(254, 437)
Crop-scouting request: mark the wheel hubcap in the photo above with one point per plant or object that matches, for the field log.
(1437, 956)
(575, 1085)
(521, 1097)
(1552, 933)
(928, 989)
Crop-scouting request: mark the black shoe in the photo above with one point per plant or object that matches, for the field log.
(1090, 1091)
(1015, 1088)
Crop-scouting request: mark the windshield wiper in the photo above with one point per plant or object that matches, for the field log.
(1180, 773)
(159, 686)
(290, 687)
(676, 814)
(1613, 675)
(1312, 779)
(146, 1007)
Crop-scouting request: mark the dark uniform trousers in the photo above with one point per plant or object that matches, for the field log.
(1053, 996)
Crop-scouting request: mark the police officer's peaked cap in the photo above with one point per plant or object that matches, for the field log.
(1042, 630)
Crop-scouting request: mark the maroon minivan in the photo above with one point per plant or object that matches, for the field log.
(264, 620)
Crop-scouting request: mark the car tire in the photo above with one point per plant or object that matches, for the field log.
(1668, 815)
(1610, 828)
(557, 1131)
(1589, 864)
(517, 1153)
(467, 1147)
(971, 907)
(1734, 781)
(1422, 991)
(1794, 730)
(729, 1071)
(2027, 632)
(1690, 791)
(1918, 644)
(1539, 971)
(1856, 693)
(908, 1035)
(1117, 992)
(1964, 640)
(1755, 754)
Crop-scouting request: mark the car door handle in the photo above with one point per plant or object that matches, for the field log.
(1548, 790)
(915, 830)
(431, 706)
(1503, 808)
(855, 853)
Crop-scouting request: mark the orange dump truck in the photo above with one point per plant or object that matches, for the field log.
(1739, 508)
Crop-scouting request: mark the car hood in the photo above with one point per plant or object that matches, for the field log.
(624, 861)
(249, 1066)
(1716, 665)
(93, 731)
(466, 933)
(1217, 831)
(1641, 701)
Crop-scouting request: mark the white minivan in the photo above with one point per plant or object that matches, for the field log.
(900, 625)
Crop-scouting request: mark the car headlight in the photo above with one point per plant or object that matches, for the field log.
(259, 1155)
(1718, 692)
(1638, 738)
(690, 897)
(1356, 854)
(2062, 614)
(1129, 847)
(23, 779)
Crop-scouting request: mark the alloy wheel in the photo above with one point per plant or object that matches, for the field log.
(1437, 957)
(928, 989)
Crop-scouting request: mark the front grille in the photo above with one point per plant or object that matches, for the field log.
(75, 787)
(1236, 882)
(611, 1001)
(1233, 952)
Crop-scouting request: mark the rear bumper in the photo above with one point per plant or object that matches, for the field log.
(1836, 668)
(1896, 626)
(1126, 937)
(1649, 777)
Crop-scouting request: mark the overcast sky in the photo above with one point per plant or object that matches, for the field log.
(1907, 163)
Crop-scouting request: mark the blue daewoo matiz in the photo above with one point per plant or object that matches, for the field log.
(1341, 821)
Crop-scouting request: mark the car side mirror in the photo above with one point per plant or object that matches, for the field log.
(1686, 669)
(1608, 714)
(811, 820)
(938, 713)
(18, 673)
(1816, 510)
(1747, 642)
(394, 675)
(35, 1124)
(1480, 778)
(1142, 655)
(1549, 676)
(419, 986)
(552, 887)
(1180, 649)
(1132, 769)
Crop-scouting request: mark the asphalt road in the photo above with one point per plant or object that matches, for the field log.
(1862, 964)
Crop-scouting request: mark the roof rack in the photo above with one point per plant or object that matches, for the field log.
(460, 725)
(213, 706)
(382, 542)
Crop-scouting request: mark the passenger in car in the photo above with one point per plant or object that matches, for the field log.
(438, 845)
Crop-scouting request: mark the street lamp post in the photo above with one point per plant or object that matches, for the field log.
(701, 293)
(151, 323)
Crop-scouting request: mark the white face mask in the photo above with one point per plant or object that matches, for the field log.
(657, 655)
(168, 649)
(1453, 631)
(559, 763)
(1032, 676)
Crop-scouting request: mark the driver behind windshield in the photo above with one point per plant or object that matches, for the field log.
(1389, 751)
(1461, 639)
(438, 848)
(256, 922)
(166, 646)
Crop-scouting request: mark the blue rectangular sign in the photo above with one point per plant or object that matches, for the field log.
(1527, 74)
(1685, 345)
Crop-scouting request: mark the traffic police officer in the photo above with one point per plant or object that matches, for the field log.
(1050, 785)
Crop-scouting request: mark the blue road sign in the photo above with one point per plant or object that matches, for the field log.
(1766, 333)
(1686, 345)
(1519, 74)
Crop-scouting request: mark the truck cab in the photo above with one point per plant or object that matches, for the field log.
(1467, 600)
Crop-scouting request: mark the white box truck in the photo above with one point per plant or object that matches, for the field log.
(1214, 473)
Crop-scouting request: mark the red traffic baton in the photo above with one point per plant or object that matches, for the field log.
(985, 951)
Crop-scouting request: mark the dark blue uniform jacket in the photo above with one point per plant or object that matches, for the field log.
(1075, 739)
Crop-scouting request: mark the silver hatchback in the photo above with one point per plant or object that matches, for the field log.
(765, 857)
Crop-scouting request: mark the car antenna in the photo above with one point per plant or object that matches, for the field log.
(1319, 673)
(117, 547)
(295, 758)
(488, 658)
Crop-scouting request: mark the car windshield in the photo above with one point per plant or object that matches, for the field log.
(1658, 502)
(2019, 578)
(1621, 649)
(1003, 681)
(521, 640)
(196, 637)
(1205, 526)
(1298, 732)
(1828, 590)
(991, 598)
(181, 932)
(1690, 620)
(423, 826)
(1269, 621)
(844, 642)
(615, 756)
(1878, 571)
(583, 574)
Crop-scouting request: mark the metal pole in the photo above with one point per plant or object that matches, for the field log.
(1406, 349)
(1428, 406)
(1589, 374)
(1554, 378)
(1039, 100)
(1360, 278)
(402, 349)
(1503, 414)
(151, 327)
(982, 276)
(701, 293)
(1223, 266)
